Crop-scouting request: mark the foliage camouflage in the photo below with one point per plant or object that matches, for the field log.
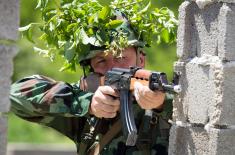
(71, 27)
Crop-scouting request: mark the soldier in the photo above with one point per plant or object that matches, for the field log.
(73, 112)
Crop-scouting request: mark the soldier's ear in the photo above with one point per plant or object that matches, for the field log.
(140, 59)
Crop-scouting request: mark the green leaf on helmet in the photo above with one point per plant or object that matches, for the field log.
(43, 37)
(78, 13)
(69, 50)
(144, 10)
(41, 4)
(90, 31)
(102, 36)
(91, 19)
(68, 66)
(41, 51)
(45, 53)
(71, 27)
(83, 36)
(104, 13)
(114, 24)
(27, 30)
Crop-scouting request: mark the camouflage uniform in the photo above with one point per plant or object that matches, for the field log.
(64, 107)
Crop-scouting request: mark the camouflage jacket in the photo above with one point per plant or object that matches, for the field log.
(64, 107)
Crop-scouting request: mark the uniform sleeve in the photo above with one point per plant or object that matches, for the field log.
(39, 96)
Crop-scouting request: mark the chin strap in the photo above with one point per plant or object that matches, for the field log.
(84, 71)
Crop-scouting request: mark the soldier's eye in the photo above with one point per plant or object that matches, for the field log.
(100, 61)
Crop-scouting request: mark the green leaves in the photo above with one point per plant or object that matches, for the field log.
(70, 27)
(104, 13)
(165, 36)
(28, 31)
(41, 4)
(45, 53)
(113, 24)
(69, 51)
(144, 10)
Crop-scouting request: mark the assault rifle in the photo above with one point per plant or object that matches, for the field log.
(123, 80)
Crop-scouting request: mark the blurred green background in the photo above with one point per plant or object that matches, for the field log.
(27, 62)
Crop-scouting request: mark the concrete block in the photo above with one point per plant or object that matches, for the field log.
(204, 3)
(222, 141)
(226, 22)
(224, 111)
(206, 26)
(178, 107)
(200, 89)
(207, 92)
(186, 41)
(3, 134)
(198, 32)
(227, 1)
(197, 141)
(6, 69)
(9, 19)
(188, 141)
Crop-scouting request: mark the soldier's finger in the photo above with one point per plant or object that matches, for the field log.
(143, 103)
(107, 99)
(111, 101)
(105, 114)
(108, 90)
(154, 94)
(108, 108)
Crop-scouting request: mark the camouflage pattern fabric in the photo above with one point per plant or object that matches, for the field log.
(64, 107)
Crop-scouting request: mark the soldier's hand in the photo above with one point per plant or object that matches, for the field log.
(104, 102)
(148, 99)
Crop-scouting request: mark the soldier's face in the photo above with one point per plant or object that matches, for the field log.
(102, 62)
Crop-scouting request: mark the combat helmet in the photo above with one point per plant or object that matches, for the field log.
(125, 30)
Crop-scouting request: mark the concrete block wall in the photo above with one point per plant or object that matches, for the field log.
(9, 23)
(204, 112)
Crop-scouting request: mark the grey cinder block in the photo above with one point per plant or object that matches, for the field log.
(227, 1)
(208, 92)
(186, 41)
(198, 90)
(9, 19)
(188, 141)
(3, 134)
(224, 111)
(196, 141)
(6, 69)
(198, 32)
(206, 29)
(226, 43)
(178, 107)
